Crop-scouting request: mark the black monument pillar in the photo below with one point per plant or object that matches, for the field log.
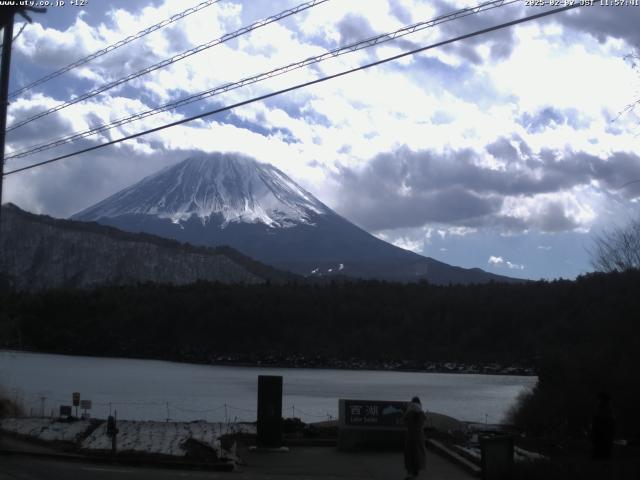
(269, 411)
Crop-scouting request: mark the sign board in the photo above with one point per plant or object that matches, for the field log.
(65, 410)
(374, 423)
(373, 413)
(76, 398)
(85, 404)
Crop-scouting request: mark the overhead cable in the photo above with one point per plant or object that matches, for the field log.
(110, 48)
(171, 60)
(632, 182)
(362, 44)
(303, 85)
(17, 34)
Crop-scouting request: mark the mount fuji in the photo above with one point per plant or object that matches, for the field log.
(227, 199)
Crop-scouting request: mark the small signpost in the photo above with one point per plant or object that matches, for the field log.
(370, 422)
(85, 405)
(76, 400)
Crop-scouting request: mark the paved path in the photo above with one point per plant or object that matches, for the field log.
(9, 442)
(327, 463)
(312, 463)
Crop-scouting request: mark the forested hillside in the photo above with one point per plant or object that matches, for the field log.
(582, 336)
(493, 322)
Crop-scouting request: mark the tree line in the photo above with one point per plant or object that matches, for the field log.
(581, 335)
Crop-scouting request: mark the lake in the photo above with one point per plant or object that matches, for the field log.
(159, 390)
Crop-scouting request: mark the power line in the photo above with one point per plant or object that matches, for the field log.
(112, 47)
(362, 44)
(303, 85)
(171, 60)
(16, 36)
(632, 182)
(19, 33)
(263, 76)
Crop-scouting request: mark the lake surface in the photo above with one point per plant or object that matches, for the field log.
(158, 390)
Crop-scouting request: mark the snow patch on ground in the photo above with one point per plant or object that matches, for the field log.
(46, 429)
(522, 455)
(470, 451)
(165, 438)
(519, 454)
(162, 438)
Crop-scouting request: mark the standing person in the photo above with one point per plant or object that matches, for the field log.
(415, 454)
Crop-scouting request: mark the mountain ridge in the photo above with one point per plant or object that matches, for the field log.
(40, 252)
(228, 199)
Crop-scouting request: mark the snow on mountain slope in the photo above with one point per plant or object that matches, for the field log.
(238, 188)
(228, 199)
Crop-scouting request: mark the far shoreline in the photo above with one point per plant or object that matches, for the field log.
(459, 368)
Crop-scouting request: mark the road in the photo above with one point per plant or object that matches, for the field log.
(313, 463)
(27, 468)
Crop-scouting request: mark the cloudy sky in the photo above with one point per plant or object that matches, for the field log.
(505, 152)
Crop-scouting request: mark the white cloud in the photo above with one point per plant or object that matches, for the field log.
(493, 260)
(499, 262)
(409, 244)
(438, 101)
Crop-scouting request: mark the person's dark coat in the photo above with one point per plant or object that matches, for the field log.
(415, 454)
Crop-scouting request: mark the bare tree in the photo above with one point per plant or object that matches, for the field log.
(617, 250)
(634, 60)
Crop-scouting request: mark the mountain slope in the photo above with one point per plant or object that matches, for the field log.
(236, 189)
(38, 252)
(224, 199)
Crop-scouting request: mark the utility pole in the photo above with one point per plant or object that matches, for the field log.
(4, 90)
(7, 15)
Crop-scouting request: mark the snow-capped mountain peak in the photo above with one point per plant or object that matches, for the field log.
(232, 200)
(238, 188)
